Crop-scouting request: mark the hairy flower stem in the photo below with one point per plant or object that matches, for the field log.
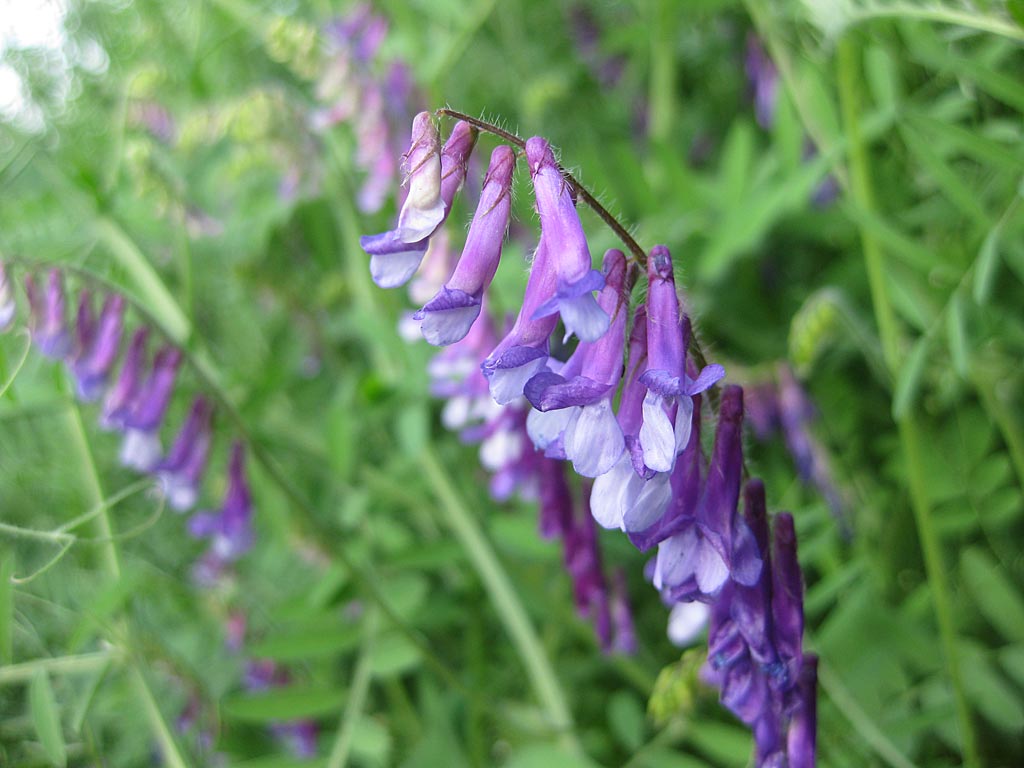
(910, 436)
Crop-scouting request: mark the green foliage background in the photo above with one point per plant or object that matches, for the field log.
(899, 305)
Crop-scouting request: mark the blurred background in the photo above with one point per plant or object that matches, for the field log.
(840, 183)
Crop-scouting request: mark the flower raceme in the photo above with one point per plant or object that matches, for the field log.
(631, 431)
(135, 403)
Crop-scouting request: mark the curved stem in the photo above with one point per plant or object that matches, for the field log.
(638, 253)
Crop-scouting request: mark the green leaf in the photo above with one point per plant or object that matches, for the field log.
(997, 599)
(287, 703)
(986, 265)
(6, 611)
(314, 641)
(957, 335)
(46, 719)
(1016, 10)
(626, 720)
(544, 756)
(989, 693)
(393, 654)
(909, 379)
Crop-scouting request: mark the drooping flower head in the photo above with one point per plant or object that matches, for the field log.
(98, 344)
(49, 328)
(181, 471)
(668, 404)
(141, 448)
(230, 528)
(577, 406)
(560, 226)
(121, 397)
(448, 316)
(395, 255)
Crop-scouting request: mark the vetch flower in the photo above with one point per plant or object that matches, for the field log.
(121, 397)
(581, 405)
(181, 470)
(562, 230)
(629, 495)
(97, 344)
(141, 447)
(230, 528)
(448, 316)
(714, 544)
(801, 739)
(668, 404)
(49, 329)
(395, 255)
(524, 350)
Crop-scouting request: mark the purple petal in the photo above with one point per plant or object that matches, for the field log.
(584, 317)
(448, 316)
(709, 376)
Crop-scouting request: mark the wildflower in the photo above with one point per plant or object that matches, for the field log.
(523, 352)
(581, 403)
(622, 617)
(395, 255)
(98, 344)
(665, 434)
(804, 724)
(181, 471)
(141, 447)
(629, 495)
(685, 623)
(713, 544)
(49, 330)
(575, 280)
(230, 528)
(121, 397)
(8, 306)
(763, 79)
(448, 316)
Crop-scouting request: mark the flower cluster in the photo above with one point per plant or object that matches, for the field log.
(650, 477)
(135, 401)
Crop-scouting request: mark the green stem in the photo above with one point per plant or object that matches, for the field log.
(662, 82)
(910, 437)
(60, 665)
(356, 697)
(503, 596)
(171, 754)
(101, 522)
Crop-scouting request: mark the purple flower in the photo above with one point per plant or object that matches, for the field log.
(787, 595)
(98, 344)
(8, 306)
(395, 255)
(181, 471)
(668, 404)
(763, 79)
(524, 350)
(714, 544)
(230, 528)
(448, 316)
(630, 496)
(804, 724)
(560, 227)
(121, 397)
(577, 406)
(141, 447)
(49, 330)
